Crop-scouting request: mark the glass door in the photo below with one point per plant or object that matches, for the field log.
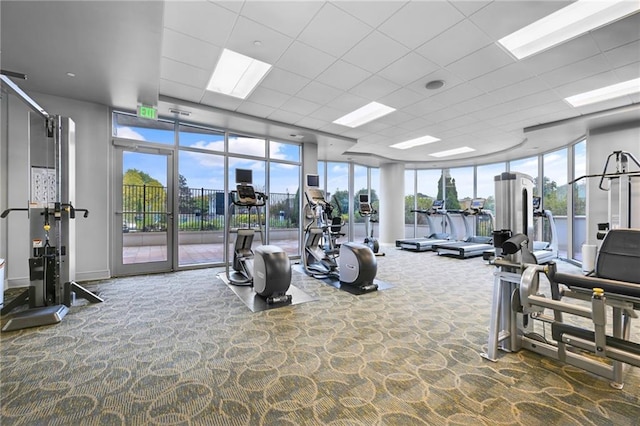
(143, 199)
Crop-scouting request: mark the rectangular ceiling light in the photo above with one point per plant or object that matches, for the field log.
(565, 24)
(364, 115)
(605, 93)
(236, 74)
(452, 152)
(415, 142)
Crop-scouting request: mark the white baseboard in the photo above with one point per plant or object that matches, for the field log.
(93, 275)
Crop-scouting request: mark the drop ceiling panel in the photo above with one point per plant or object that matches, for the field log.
(374, 88)
(342, 75)
(375, 52)
(514, 15)
(401, 98)
(502, 77)
(348, 102)
(318, 92)
(457, 94)
(285, 116)
(618, 33)
(263, 96)
(468, 8)
(305, 60)
(454, 44)
(576, 71)
(334, 31)
(521, 89)
(408, 69)
(572, 51)
(189, 50)
(372, 13)
(480, 62)
(587, 84)
(203, 20)
(257, 41)
(299, 106)
(628, 72)
(255, 109)
(289, 20)
(624, 55)
(418, 22)
(284, 81)
(183, 73)
(180, 91)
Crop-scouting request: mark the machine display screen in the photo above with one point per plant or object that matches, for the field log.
(244, 176)
(364, 198)
(477, 203)
(437, 204)
(313, 181)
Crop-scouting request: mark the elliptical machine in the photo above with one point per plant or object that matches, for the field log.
(353, 264)
(267, 269)
(367, 211)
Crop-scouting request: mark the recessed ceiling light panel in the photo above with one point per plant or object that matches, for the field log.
(450, 152)
(565, 24)
(367, 113)
(423, 140)
(236, 74)
(605, 93)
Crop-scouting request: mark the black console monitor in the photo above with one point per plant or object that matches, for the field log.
(365, 207)
(244, 176)
(437, 204)
(313, 181)
(477, 204)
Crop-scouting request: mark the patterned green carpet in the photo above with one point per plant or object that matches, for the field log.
(183, 349)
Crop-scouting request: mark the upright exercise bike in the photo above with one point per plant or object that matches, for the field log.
(367, 211)
(267, 268)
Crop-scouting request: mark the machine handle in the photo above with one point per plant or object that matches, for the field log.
(7, 211)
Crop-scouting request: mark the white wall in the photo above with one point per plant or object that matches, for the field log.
(93, 174)
(600, 144)
(391, 209)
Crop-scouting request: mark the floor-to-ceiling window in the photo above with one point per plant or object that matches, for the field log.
(360, 187)
(409, 203)
(201, 210)
(486, 185)
(554, 197)
(338, 194)
(284, 195)
(579, 219)
(459, 191)
(426, 193)
(528, 166)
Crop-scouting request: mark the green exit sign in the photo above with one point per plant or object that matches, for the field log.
(147, 112)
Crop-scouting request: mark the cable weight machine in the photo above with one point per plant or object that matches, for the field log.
(51, 223)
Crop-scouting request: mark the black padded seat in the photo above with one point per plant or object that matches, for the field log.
(617, 268)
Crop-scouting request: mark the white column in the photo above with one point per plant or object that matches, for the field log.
(391, 209)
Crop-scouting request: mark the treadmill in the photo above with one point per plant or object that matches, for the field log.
(472, 245)
(428, 242)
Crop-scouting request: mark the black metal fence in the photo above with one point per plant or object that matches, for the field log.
(199, 209)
